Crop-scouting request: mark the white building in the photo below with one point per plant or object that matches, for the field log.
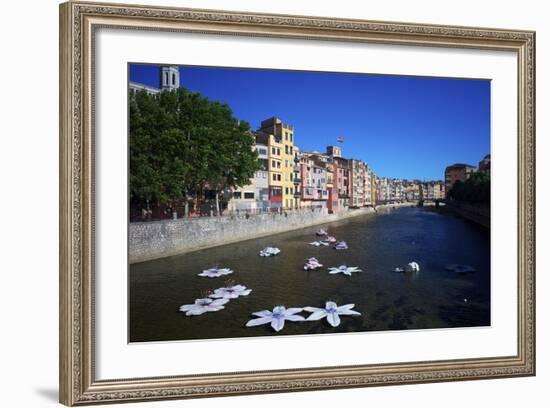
(169, 80)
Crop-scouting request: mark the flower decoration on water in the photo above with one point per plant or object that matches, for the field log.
(346, 270)
(332, 312)
(215, 272)
(277, 317)
(203, 305)
(231, 292)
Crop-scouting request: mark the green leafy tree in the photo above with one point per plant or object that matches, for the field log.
(476, 189)
(181, 143)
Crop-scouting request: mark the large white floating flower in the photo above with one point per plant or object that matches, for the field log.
(413, 267)
(215, 272)
(277, 317)
(269, 251)
(203, 305)
(331, 311)
(231, 292)
(318, 243)
(346, 270)
(312, 263)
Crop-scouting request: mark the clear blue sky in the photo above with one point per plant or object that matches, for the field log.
(404, 127)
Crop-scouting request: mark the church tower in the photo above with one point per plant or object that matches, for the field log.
(169, 78)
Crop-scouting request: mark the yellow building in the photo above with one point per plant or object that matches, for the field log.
(281, 142)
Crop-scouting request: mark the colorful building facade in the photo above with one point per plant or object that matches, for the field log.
(283, 142)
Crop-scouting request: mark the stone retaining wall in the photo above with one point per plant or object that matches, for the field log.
(480, 214)
(157, 239)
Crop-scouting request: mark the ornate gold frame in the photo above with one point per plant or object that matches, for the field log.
(78, 21)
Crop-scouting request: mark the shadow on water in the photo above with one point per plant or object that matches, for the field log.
(432, 298)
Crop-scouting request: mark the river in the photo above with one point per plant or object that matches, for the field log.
(387, 300)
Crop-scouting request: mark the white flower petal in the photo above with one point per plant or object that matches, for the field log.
(312, 309)
(279, 310)
(317, 315)
(333, 319)
(293, 310)
(246, 292)
(348, 312)
(219, 302)
(262, 313)
(278, 324)
(295, 318)
(214, 308)
(259, 321)
(330, 305)
(195, 311)
(345, 307)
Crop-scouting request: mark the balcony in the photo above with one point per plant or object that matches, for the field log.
(297, 180)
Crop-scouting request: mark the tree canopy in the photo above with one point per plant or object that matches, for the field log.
(476, 189)
(182, 143)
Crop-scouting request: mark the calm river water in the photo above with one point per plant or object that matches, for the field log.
(387, 300)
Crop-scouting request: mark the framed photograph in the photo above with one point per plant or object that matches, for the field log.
(256, 203)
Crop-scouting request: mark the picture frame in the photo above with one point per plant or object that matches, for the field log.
(79, 23)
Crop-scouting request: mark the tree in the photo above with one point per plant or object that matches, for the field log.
(182, 143)
(476, 189)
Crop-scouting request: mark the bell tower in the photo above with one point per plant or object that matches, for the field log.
(169, 78)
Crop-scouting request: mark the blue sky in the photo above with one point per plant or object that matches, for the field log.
(404, 127)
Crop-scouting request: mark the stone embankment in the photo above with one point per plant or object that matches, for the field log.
(158, 239)
(480, 214)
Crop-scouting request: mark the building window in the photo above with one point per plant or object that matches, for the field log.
(286, 149)
(273, 163)
(291, 176)
(262, 151)
(278, 151)
(237, 195)
(274, 177)
(173, 79)
(249, 195)
(278, 177)
(286, 190)
(278, 165)
(291, 138)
